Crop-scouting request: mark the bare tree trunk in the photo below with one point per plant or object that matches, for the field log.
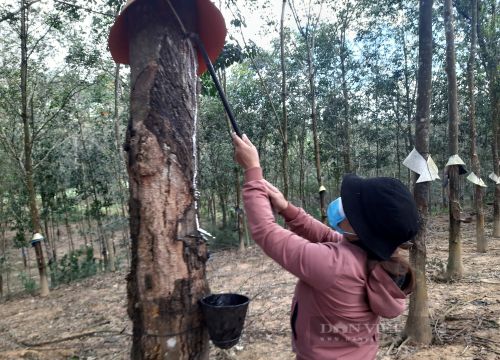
(488, 44)
(223, 207)
(454, 268)
(495, 118)
(104, 241)
(409, 139)
(408, 103)
(302, 170)
(28, 147)
(69, 232)
(308, 35)
(24, 256)
(167, 276)
(48, 242)
(120, 158)
(238, 209)
(398, 133)
(314, 122)
(346, 150)
(211, 209)
(87, 215)
(284, 120)
(3, 259)
(418, 323)
(53, 243)
(481, 241)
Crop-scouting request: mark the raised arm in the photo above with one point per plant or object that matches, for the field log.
(299, 221)
(307, 226)
(313, 263)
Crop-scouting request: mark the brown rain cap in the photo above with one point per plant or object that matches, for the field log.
(211, 28)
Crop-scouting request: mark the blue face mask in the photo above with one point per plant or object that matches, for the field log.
(335, 214)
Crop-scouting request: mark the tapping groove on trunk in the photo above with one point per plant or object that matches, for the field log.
(167, 276)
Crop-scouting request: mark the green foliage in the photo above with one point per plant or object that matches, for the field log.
(223, 239)
(230, 54)
(29, 284)
(75, 265)
(19, 240)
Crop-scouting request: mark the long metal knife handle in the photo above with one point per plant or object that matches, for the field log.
(211, 70)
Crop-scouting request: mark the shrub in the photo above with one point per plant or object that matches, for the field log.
(30, 285)
(77, 264)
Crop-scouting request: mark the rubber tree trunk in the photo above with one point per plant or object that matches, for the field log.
(314, 123)
(454, 268)
(495, 119)
(308, 36)
(302, 166)
(346, 148)
(105, 242)
(223, 204)
(28, 147)
(488, 45)
(408, 100)
(284, 117)
(120, 159)
(4, 263)
(418, 326)
(167, 275)
(481, 241)
(238, 209)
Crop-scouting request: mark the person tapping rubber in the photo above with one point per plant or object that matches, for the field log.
(349, 276)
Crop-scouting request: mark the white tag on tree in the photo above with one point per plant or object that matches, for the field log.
(433, 169)
(473, 178)
(455, 160)
(427, 170)
(495, 178)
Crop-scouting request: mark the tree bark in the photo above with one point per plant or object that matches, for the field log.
(488, 45)
(314, 122)
(238, 209)
(28, 147)
(3, 259)
(120, 159)
(454, 268)
(481, 241)
(106, 247)
(302, 166)
(223, 207)
(346, 151)
(418, 323)
(167, 276)
(408, 102)
(284, 118)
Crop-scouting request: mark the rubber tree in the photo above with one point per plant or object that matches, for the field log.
(454, 269)
(346, 16)
(284, 94)
(28, 150)
(488, 34)
(418, 322)
(481, 241)
(307, 32)
(167, 275)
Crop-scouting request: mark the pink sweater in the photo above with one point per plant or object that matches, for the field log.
(337, 301)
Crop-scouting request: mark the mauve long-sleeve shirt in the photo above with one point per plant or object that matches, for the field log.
(338, 301)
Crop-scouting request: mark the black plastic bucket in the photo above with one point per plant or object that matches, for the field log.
(224, 317)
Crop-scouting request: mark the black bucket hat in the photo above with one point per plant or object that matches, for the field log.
(381, 210)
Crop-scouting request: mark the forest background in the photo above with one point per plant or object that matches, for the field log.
(329, 89)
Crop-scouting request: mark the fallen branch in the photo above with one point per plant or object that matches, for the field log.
(95, 333)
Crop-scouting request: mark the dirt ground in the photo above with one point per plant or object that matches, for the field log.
(87, 319)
